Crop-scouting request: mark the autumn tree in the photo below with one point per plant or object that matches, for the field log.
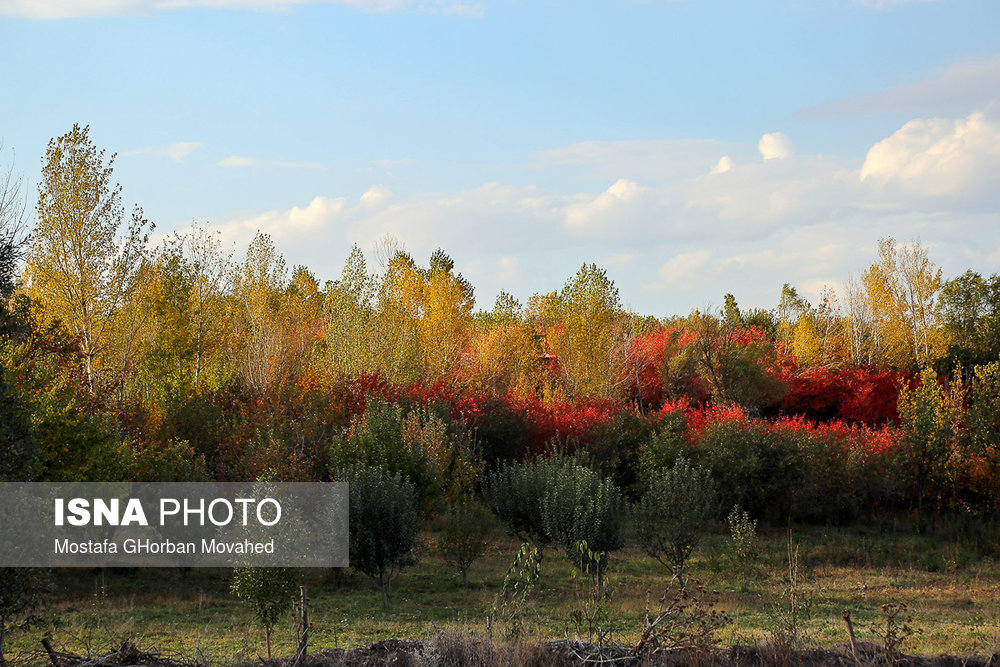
(932, 417)
(587, 329)
(896, 319)
(814, 334)
(351, 322)
(422, 317)
(185, 295)
(13, 225)
(504, 351)
(257, 288)
(739, 364)
(84, 257)
(208, 266)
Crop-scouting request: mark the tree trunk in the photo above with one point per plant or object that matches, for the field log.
(383, 583)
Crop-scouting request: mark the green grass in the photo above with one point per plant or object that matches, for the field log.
(950, 585)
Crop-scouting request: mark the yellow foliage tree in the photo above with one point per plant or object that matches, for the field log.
(82, 266)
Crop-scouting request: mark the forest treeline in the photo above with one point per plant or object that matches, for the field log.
(183, 361)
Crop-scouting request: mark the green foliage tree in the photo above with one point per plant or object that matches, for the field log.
(674, 512)
(753, 467)
(82, 268)
(383, 519)
(464, 535)
(19, 456)
(72, 441)
(579, 506)
(932, 417)
(740, 372)
(968, 308)
(615, 448)
(983, 419)
(268, 591)
(380, 438)
(514, 492)
(662, 449)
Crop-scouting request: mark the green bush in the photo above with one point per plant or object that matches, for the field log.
(383, 523)
(514, 493)
(664, 447)
(464, 535)
(578, 505)
(416, 444)
(614, 450)
(674, 513)
(753, 467)
(745, 544)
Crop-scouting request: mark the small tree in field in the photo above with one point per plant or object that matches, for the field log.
(673, 513)
(932, 419)
(580, 506)
(464, 535)
(268, 592)
(514, 493)
(745, 547)
(383, 519)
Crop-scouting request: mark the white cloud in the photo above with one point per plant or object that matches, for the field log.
(937, 157)
(377, 196)
(64, 9)
(641, 160)
(606, 208)
(683, 239)
(238, 162)
(243, 162)
(177, 152)
(724, 164)
(972, 83)
(775, 146)
(682, 271)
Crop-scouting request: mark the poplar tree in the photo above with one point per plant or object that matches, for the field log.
(84, 257)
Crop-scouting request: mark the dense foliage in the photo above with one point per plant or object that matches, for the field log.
(185, 362)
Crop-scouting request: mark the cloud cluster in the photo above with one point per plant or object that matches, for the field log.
(938, 158)
(681, 240)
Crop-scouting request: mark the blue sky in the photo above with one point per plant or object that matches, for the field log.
(691, 147)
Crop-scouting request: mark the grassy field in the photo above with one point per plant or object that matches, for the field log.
(951, 585)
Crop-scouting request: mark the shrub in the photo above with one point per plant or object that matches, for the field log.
(21, 592)
(378, 440)
(745, 547)
(753, 467)
(664, 446)
(514, 493)
(674, 512)
(268, 591)
(383, 520)
(511, 605)
(464, 535)
(580, 506)
(615, 449)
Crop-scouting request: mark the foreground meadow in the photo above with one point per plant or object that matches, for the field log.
(949, 582)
